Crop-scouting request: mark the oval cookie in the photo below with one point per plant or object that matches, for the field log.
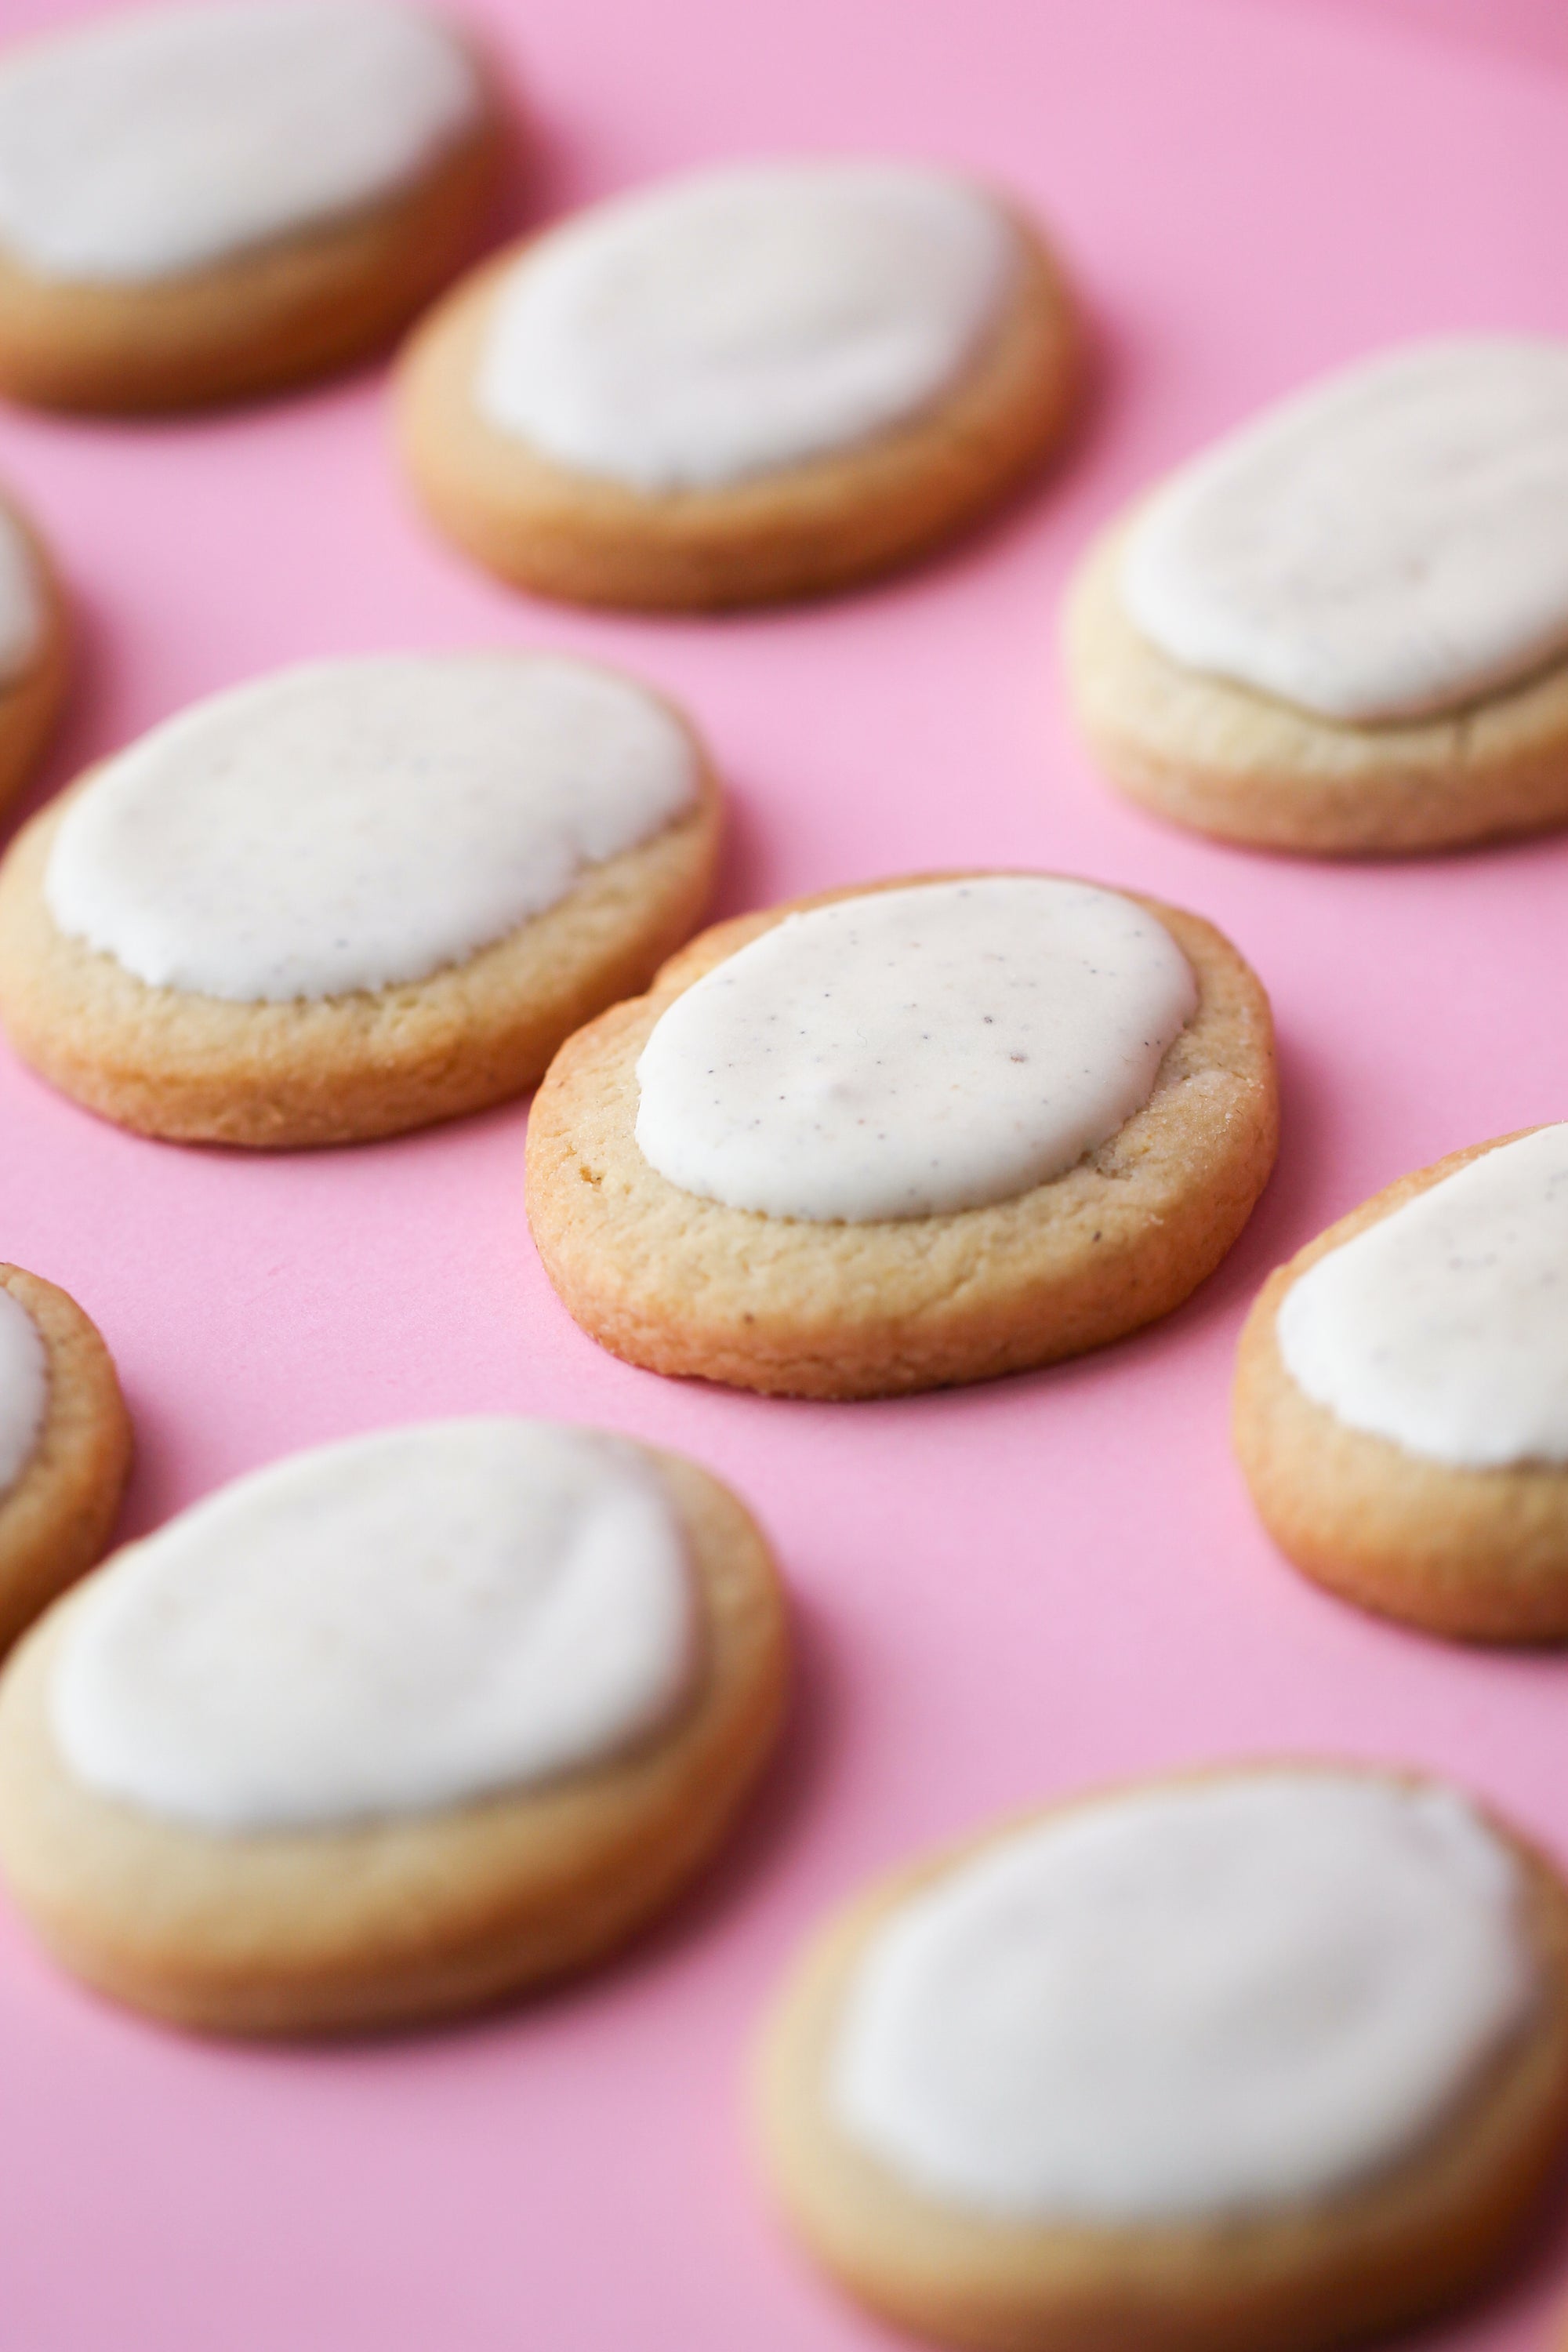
(33, 650)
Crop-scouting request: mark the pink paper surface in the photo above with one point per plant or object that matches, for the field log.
(1002, 1594)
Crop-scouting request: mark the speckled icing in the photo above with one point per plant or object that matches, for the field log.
(24, 1388)
(743, 320)
(1212, 1998)
(1444, 1327)
(150, 142)
(404, 1621)
(914, 1051)
(1388, 544)
(22, 608)
(361, 823)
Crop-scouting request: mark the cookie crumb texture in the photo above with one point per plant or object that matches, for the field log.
(1223, 759)
(690, 1288)
(1295, 2278)
(1476, 1555)
(344, 1069)
(804, 531)
(396, 1920)
(56, 1518)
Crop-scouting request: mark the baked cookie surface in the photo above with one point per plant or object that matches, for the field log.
(1080, 2084)
(354, 897)
(1404, 1431)
(742, 386)
(33, 650)
(200, 202)
(392, 1729)
(816, 1305)
(1290, 644)
(65, 1447)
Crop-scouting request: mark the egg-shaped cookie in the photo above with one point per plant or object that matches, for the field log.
(33, 650)
(1344, 629)
(1401, 1409)
(203, 201)
(1259, 2060)
(391, 1728)
(753, 383)
(919, 1132)
(354, 896)
(65, 1447)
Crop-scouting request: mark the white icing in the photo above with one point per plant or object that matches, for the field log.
(361, 823)
(743, 320)
(1186, 2001)
(21, 609)
(156, 141)
(24, 1388)
(914, 1051)
(407, 1621)
(1389, 543)
(1444, 1327)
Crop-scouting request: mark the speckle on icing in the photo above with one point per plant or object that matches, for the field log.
(913, 1051)
(740, 321)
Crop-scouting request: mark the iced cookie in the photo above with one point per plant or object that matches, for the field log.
(354, 897)
(34, 655)
(761, 382)
(391, 1728)
(203, 201)
(1345, 629)
(889, 1138)
(65, 1447)
(1256, 2061)
(1402, 1397)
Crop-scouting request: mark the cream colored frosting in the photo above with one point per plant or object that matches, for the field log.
(24, 1388)
(1444, 1327)
(1212, 1998)
(1389, 543)
(22, 608)
(913, 1051)
(402, 1622)
(150, 142)
(357, 825)
(743, 320)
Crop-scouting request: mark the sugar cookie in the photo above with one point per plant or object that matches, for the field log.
(1254, 2061)
(1402, 1397)
(894, 1137)
(198, 202)
(355, 897)
(761, 382)
(65, 1447)
(1344, 630)
(391, 1728)
(34, 655)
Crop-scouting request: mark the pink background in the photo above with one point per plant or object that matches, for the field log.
(1003, 1593)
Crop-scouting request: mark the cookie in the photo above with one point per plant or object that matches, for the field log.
(889, 1138)
(750, 383)
(65, 1447)
(1400, 1410)
(392, 1728)
(1254, 2061)
(1344, 630)
(198, 202)
(34, 651)
(354, 897)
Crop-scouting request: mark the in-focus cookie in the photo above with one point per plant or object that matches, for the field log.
(889, 1138)
(203, 201)
(1257, 2060)
(1344, 630)
(355, 897)
(762, 381)
(1400, 1406)
(391, 1728)
(34, 652)
(65, 1447)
